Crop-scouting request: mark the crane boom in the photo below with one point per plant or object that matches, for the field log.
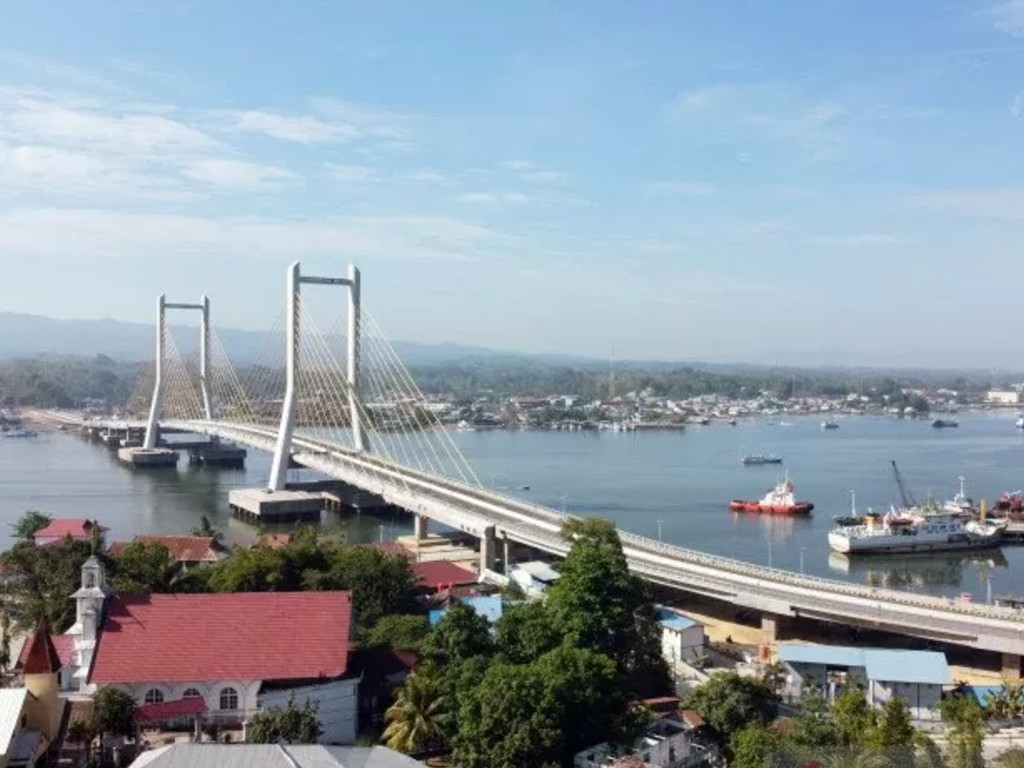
(905, 496)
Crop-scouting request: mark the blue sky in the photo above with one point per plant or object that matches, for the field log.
(802, 182)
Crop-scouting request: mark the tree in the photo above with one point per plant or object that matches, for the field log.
(290, 724)
(1011, 758)
(597, 604)
(401, 632)
(142, 567)
(730, 702)
(42, 580)
(852, 715)
(250, 570)
(965, 731)
(525, 631)
(815, 727)
(421, 717)
(205, 528)
(30, 522)
(893, 733)
(754, 745)
(113, 713)
(462, 633)
(381, 583)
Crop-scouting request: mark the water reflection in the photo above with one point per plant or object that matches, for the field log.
(961, 570)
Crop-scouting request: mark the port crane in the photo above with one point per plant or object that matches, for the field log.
(905, 496)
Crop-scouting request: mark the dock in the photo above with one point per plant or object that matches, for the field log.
(259, 505)
(148, 458)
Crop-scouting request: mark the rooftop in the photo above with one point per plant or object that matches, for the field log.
(488, 606)
(243, 636)
(12, 702)
(74, 527)
(184, 549)
(878, 663)
(38, 655)
(436, 574)
(539, 570)
(271, 756)
(672, 620)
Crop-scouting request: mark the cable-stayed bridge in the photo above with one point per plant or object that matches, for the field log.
(365, 422)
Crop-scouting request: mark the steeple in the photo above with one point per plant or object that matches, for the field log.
(44, 708)
(89, 600)
(41, 657)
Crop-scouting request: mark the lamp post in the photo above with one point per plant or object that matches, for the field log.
(769, 553)
(802, 560)
(659, 529)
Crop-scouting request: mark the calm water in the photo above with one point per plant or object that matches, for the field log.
(684, 480)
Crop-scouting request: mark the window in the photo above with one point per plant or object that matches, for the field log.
(228, 698)
(191, 693)
(154, 696)
(90, 580)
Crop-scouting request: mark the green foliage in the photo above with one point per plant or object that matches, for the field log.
(1007, 703)
(63, 382)
(965, 731)
(381, 583)
(205, 528)
(400, 632)
(599, 605)
(852, 715)
(893, 727)
(113, 712)
(815, 727)
(251, 570)
(460, 634)
(752, 746)
(526, 631)
(1011, 758)
(142, 567)
(730, 702)
(290, 724)
(42, 580)
(29, 523)
(80, 732)
(421, 718)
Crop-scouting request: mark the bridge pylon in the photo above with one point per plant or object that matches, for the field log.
(289, 410)
(156, 404)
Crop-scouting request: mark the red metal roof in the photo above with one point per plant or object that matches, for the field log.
(437, 572)
(64, 645)
(169, 710)
(184, 549)
(243, 636)
(40, 657)
(67, 526)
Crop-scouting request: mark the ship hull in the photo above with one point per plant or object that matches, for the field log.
(855, 546)
(756, 507)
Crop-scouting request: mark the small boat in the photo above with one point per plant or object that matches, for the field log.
(761, 458)
(1020, 421)
(945, 423)
(732, 422)
(829, 425)
(778, 501)
(21, 433)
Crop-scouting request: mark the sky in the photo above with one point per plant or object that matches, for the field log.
(805, 182)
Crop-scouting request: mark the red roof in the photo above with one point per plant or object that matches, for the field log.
(437, 572)
(691, 718)
(242, 636)
(64, 645)
(169, 710)
(68, 526)
(184, 549)
(41, 658)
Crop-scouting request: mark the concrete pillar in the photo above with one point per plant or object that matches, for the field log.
(283, 450)
(354, 330)
(1011, 667)
(419, 526)
(506, 553)
(488, 544)
(205, 384)
(152, 424)
(771, 627)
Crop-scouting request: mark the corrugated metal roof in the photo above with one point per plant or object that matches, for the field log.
(672, 620)
(907, 666)
(271, 756)
(539, 570)
(829, 655)
(12, 701)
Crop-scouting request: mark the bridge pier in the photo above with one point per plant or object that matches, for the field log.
(488, 545)
(420, 525)
(1011, 667)
(772, 625)
(506, 553)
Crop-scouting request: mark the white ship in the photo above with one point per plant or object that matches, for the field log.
(911, 531)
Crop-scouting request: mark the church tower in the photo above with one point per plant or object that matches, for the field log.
(44, 709)
(89, 601)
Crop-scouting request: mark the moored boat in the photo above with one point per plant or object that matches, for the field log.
(910, 532)
(945, 423)
(21, 433)
(829, 425)
(778, 501)
(761, 458)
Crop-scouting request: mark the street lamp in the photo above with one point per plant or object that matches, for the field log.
(769, 553)
(659, 529)
(802, 560)
(563, 498)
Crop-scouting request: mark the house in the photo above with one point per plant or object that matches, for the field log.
(489, 606)
(915, 676)
(187, 551)
(667, 743)
(272, 756)
(438, 575)
(62, 528)
(533, 577)
(682, 638)
(219, 657)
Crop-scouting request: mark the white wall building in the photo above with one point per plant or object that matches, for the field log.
(666, 744)
(1003, 397)
(534, 577)
(682, 638)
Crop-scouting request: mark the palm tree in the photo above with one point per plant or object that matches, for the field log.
(205, 528)
(421, 715)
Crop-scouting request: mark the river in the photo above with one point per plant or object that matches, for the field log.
(682, 479)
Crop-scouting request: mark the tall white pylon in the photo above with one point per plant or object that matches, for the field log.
(156, 405)
(289, 410)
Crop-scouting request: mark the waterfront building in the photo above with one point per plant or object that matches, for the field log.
(918, 677)
(1002, 397)
(682, 638)
(69, 527)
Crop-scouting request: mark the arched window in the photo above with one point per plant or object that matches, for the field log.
(191, 693)
(154, 696)
(90, 580)
(228, 698)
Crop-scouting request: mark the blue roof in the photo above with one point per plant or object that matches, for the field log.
(907, 666)
(981, 693)
(878, 663)
(672, 620)
(490, 607)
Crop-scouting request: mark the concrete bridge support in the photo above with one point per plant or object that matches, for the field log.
(1011, 667)
(488, 545)
(420, 525)
(506, 553)
(772, 626)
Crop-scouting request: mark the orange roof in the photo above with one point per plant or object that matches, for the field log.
(41, 658)
(184, 549)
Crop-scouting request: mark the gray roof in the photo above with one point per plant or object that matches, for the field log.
(271, 756)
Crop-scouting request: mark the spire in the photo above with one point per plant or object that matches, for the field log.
(41, 657)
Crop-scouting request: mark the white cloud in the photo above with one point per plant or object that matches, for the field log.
(304, 129)
(670, 188)
(496, 197)
(861, 240)
(1007, 16)
(518, 165)
(227, 173)
(426, 176)
(545, 177)
(353, 174)
(30, 232)
(993, 203)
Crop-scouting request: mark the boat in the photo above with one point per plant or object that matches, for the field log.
(961, 503)
(778, 501)
(20, 433)
(1020, 421)
(829, 425)
(945, 423)
(909, 531)
(732, 422)
(761, 458)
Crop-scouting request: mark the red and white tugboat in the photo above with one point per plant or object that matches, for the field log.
(778, 501)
